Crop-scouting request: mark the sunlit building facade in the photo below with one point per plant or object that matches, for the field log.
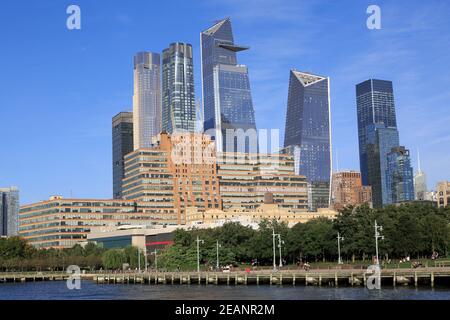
(245, 179)
(420, 183)
(347, 190)
(178, 172)
(61, 223)
(443, 194)
(146, 98)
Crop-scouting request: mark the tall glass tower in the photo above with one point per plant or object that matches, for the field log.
(146, 98)
(399, 176)
(308, 133)
(178, 101)
(229, 116)
(122, 144)
(377, 134)
(9, 211)
(380, 141)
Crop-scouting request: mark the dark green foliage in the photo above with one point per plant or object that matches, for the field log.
(409, 229)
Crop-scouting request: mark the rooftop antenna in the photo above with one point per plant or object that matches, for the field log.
(418, 160)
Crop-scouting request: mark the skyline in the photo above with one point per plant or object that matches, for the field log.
(78, 158)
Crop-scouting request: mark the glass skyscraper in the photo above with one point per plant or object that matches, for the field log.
(229, 116)
(399, 177)
(308, 133)
(377, 134)
(178, 98)
(380, 141)
(146, 98)
(122, 144)
(375, 106)
(9, 211)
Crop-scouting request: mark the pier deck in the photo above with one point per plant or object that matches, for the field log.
(318, 277)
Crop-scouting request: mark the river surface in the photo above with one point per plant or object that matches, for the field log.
(90, 290)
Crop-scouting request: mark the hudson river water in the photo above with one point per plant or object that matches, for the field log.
(90, 290)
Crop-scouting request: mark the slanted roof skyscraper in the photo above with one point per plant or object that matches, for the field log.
(227, 102)
(308, 133)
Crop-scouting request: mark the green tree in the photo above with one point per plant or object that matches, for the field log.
(113, 259)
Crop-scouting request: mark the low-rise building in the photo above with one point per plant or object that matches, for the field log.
(347, 190)
(443, 193)
(246, 178)
(61, 223)
(268, 210)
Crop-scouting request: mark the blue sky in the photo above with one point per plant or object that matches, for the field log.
(60, 88)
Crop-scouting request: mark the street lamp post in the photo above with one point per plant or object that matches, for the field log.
(217, 251)
(274, 253)
(339, 239)
(378, 229)
(280, 242)
(145, 259)
(156, 259)
(139, 260)
(198, 252)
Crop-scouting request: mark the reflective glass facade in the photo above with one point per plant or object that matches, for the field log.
(307, 133)
(377, 134)
(178, 101)
(380, 141)
(146, 98)
(122, 144)
(399, 176)
(226, 91)
(9, 211)
(375, 105)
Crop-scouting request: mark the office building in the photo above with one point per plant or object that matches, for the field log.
(377, 135)
(184, 170)
(375, 106)
(9, 211)
(178, 172)
(443, 194)
(380, 141)
(246, 178)
(146, 99)
(157, 237)
(61, 223)
(178, 98)
(308, 134)
(420, 183)
(122, 144)
(399, 176)
(229, 116)
(347, 190)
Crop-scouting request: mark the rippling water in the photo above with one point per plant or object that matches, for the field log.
(91, 290)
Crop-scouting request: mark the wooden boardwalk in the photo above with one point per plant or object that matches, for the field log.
(317, 277)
